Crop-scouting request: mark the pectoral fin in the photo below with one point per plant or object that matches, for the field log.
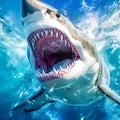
(110, 93)
(36, 102)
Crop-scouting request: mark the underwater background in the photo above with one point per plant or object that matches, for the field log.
(99, 20)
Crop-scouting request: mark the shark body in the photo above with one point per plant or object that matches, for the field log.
(66, 63)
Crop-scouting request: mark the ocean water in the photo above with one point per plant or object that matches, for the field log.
(99, 20)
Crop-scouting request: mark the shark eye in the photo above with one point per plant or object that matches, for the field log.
(57, 15)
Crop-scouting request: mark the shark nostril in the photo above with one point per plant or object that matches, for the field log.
(48, 11)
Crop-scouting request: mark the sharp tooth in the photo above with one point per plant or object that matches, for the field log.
(46, 32)
(65, 42)
(55, 70)
(61, 68)
(40, 74)
(33, 45)
(42, 33)
(43, 73)
(69, 44)
(33, 40)
(56, 34)
(37, 35)
(61, 38)
(68, 66)
(51, 33)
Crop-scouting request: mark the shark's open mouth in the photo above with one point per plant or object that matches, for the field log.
(53, 52)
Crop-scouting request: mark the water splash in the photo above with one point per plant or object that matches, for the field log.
(16, 75)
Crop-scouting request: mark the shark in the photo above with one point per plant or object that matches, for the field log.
(67, 63)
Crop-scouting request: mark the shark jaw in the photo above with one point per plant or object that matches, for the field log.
(55, 56)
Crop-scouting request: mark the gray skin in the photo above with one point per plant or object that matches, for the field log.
(88, 86)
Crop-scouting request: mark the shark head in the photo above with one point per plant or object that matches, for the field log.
(57, 51)
(67, 63)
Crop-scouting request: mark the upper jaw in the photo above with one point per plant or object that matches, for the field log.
(39, 21)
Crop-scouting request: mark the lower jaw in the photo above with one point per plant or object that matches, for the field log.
(55, 73)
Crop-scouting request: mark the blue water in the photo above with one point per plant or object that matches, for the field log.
(99, 20)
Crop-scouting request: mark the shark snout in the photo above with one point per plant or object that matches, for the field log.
(30, 6)
(27, 8)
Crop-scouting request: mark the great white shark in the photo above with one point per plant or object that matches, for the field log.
(66, 63)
